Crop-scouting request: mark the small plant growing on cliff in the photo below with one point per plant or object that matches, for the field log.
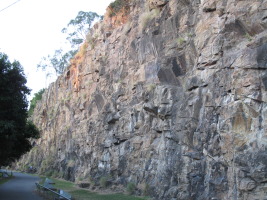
(180, 41)
(147, 17)
(130, 188)
(190, 35)
(248, 36)
(151, 87)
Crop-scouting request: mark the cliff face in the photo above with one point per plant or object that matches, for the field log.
(174, 100)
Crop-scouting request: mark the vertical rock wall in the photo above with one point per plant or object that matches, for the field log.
(174, 100)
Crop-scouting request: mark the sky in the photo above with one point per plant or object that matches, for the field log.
(31, 30)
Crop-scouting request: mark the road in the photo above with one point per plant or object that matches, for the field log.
(21, 187)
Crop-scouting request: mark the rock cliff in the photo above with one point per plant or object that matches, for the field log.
(171, 96)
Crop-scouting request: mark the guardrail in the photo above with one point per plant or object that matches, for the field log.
(60, 195)
(4, 173)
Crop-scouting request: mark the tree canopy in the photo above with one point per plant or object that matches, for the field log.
(78, 28)
(59, 61)
(15, 130)
(76, 31)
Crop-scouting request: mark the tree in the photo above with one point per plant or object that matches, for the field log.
(77, 29)
(59, 61)
(15, 130)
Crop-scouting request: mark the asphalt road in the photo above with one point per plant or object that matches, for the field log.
(21, 187)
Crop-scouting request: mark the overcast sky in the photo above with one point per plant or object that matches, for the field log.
(31, 29)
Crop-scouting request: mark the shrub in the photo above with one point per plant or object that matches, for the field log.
(147, 17)
(130, 188)
(151, 87)
(55, 174)
(180, 41)
(248, 36)
(103, 181)
(49, 173)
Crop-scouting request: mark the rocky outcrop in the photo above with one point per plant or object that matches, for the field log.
(174, 101)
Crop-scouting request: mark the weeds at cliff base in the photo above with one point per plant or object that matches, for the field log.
(84, 194)
(130, 188)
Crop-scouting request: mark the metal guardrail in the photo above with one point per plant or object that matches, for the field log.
(61, 196)
(4, 173)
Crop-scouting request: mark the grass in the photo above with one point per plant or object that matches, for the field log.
(249, 37)
(87, 195)
(83, 194)
(64, 185)
(147, 17)
(180, 41)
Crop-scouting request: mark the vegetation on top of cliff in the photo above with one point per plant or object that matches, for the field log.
(37, 97)
(146, 17)
(58, 62)
(15, 130)
(80, 55)
(78, 28)
(76, 31)
(117, 6)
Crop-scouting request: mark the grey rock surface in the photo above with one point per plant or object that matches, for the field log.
(174, 101)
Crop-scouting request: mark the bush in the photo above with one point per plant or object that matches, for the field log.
(37, 97)
(147, 17)
(180, 41)
(49, 173)
(130, 188)
(103, 181)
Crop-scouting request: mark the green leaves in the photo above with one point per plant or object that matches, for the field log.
(78, 28)
(37, 97)
(14, 128)
(31, 130)
(58, 62)
(76, 31)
